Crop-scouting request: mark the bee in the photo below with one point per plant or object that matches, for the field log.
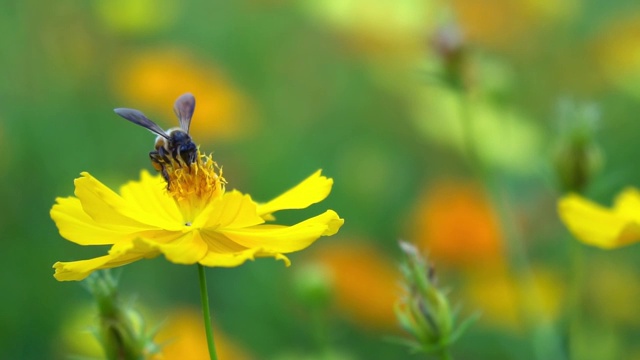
(171, 146)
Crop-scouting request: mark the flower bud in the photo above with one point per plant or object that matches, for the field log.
(424, 311)
(313, 286)
(577, 158)
(121, 330)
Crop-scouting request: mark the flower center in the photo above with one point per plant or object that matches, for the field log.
(193, 186)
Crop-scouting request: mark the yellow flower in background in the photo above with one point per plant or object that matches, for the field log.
(598, 226)
(506, 301)
(365, 283)
(501, 136)
(192, 220)
(379, 28)
(501, 23)
(457, 227)
(137, 17)
(183, 337)
(155, 78)
(617, 51)
(612, 292)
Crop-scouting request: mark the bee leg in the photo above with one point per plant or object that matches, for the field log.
(157, 160)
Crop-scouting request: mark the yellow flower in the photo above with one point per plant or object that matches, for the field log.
(598, 226)
(388, 29)
(502, 23)
(183, 337)
(617, 51)
(506, 300)
(192, 220)
(137, 17)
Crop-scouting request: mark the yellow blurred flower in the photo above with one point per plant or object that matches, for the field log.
(78, 336)
(598, 226)
(378, 28)
(500, 23)
(190, 220)
(612, 292)
(457, 226)
(501, 136)
(137, 17)
(184, 337)
(154, 79)
(506, 301)
(365, 283)
(617, 51)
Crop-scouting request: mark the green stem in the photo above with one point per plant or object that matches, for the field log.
(546, 343)
(445, 354)
(207, 314)
(577, 256)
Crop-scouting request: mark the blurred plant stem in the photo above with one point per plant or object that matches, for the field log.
(321, 332)
(577, 259)
(207, 315)
(577, 158)
(313, 286)
(121, 331)
(545, 341)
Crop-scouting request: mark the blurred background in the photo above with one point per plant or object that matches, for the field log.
(438, 120)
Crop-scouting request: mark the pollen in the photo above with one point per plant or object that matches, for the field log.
(193, 185)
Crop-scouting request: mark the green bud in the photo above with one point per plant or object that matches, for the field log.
(576, 157)
(424, 311)
(121, 330)
(313, 285)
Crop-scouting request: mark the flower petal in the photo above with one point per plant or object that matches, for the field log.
(232, 210)
(276, 239)
(627, 204)
(118, 256)
(76, 226)
(313, 189)
(596, 225)
(229, 259)
(109, 208)
(150, 196)
(188, 248)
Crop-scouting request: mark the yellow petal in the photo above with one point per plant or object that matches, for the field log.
(595, 225)
(218, 243)
(109, 208)
(229, 259)
(627, 204)
(76, 226)
(149, 195)
(78, 270)
(285, 239)
(232, 210)
(188, 248)
(313, 189)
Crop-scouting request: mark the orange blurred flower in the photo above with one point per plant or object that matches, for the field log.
(457, 226)
(366, 283)
(153, 79)
(183, 337)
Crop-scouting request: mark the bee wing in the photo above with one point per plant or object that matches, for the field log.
(138, 117)
(184, 107)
